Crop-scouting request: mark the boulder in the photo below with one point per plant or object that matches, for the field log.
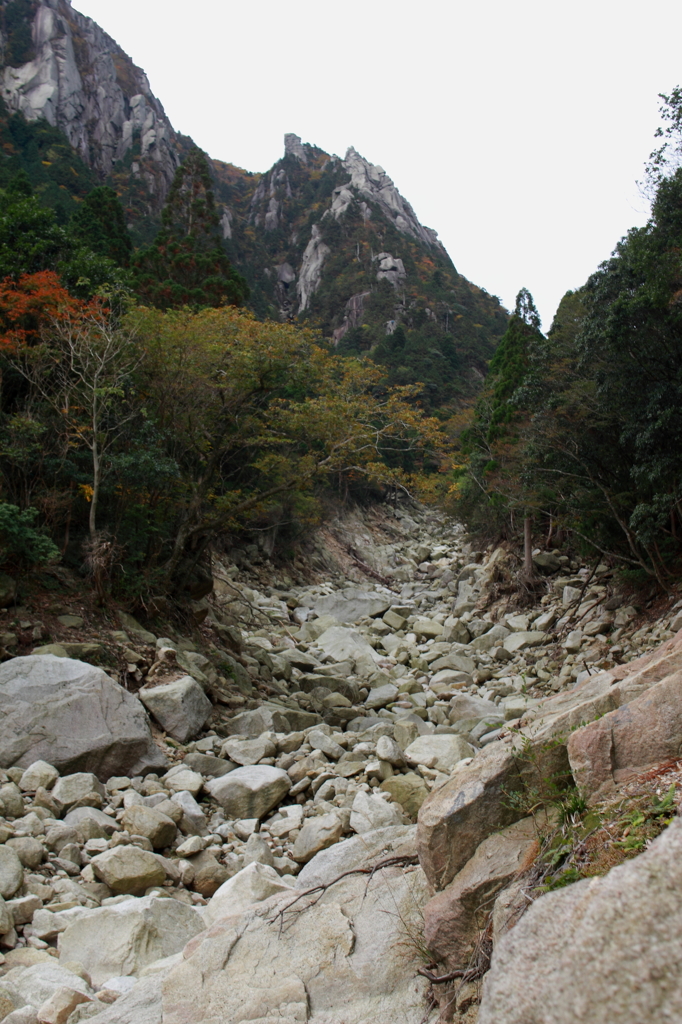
(246, 752)
(455, 916)
(319, 740)
(182, 780)
(341, 643)
(250, 792)
(408, 790)
(120, 940)
(11, 872)
(181, 707)
(82, 786)
(600, 950)
(360, 851)
(456, 818)
(253, 884)
(521, 640)
(455, 663)
(352, 604)
(372, 812)
(388, 750)
(29, 850)
(266, 718)
(547, 563)
(59, 1007)
(34, 985)
(446, 749)
(644, 732)
(158, 828)
(427, 628)
(206, 764)
(39, 774)
(74, 717)
(380, 696)
(127, 869)
(79, 818)
(464, 707)
(317, 834)
(322, 968)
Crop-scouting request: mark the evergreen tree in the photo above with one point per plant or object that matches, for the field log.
(99, 223)
(186, 264)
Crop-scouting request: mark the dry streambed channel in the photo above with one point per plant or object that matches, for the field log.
(326, 813)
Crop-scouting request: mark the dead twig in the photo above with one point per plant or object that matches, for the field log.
(319, 890)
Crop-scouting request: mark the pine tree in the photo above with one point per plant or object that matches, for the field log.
(99, 223)
(186, 264)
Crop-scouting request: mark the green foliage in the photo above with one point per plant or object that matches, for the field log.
(20, 541)
(17, 17)
(31, 240)
(99, 224)
(186, 264)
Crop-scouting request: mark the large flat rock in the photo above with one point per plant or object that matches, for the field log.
(352, 604)
(73, 716)
(345, 958)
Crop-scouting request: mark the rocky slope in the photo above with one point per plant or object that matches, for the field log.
(330, 240)
(177, 831)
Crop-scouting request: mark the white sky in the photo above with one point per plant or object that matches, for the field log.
(516, 129)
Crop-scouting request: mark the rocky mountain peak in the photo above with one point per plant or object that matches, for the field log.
(371, 180)
(294, 147)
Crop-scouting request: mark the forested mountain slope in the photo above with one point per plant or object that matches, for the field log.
(327, 240)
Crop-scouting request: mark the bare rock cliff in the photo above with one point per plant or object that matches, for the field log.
(80, 80)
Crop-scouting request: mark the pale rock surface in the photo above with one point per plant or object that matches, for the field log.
(33, 986)
(246, 752)
(372, 812)
(61, 1005)
(617, 746)
(253, 884)
(600, 950)
(341, 643)
(521, 640)
(40, 773)
(257, 851)
(69, 789)
(323, 967)
(250, 792)
(11, 872)
(73, 716)
(408, 790)
(447, 750)
(120, 940)
(127, 869)
(159, 829)
(352, 604)
(180, 707)
(317, 834)
(358, 851)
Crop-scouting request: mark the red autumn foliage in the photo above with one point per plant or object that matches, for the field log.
(28, 304)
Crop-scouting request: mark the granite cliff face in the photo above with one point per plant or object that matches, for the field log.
(79, 80)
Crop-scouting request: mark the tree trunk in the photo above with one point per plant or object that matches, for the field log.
(528, 546)
(96, 478)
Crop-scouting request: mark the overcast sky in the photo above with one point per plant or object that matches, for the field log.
(516, 129)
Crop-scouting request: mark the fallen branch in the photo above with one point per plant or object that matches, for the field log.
(319, 890)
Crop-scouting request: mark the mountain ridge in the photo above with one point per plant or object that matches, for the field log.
(322, 239)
